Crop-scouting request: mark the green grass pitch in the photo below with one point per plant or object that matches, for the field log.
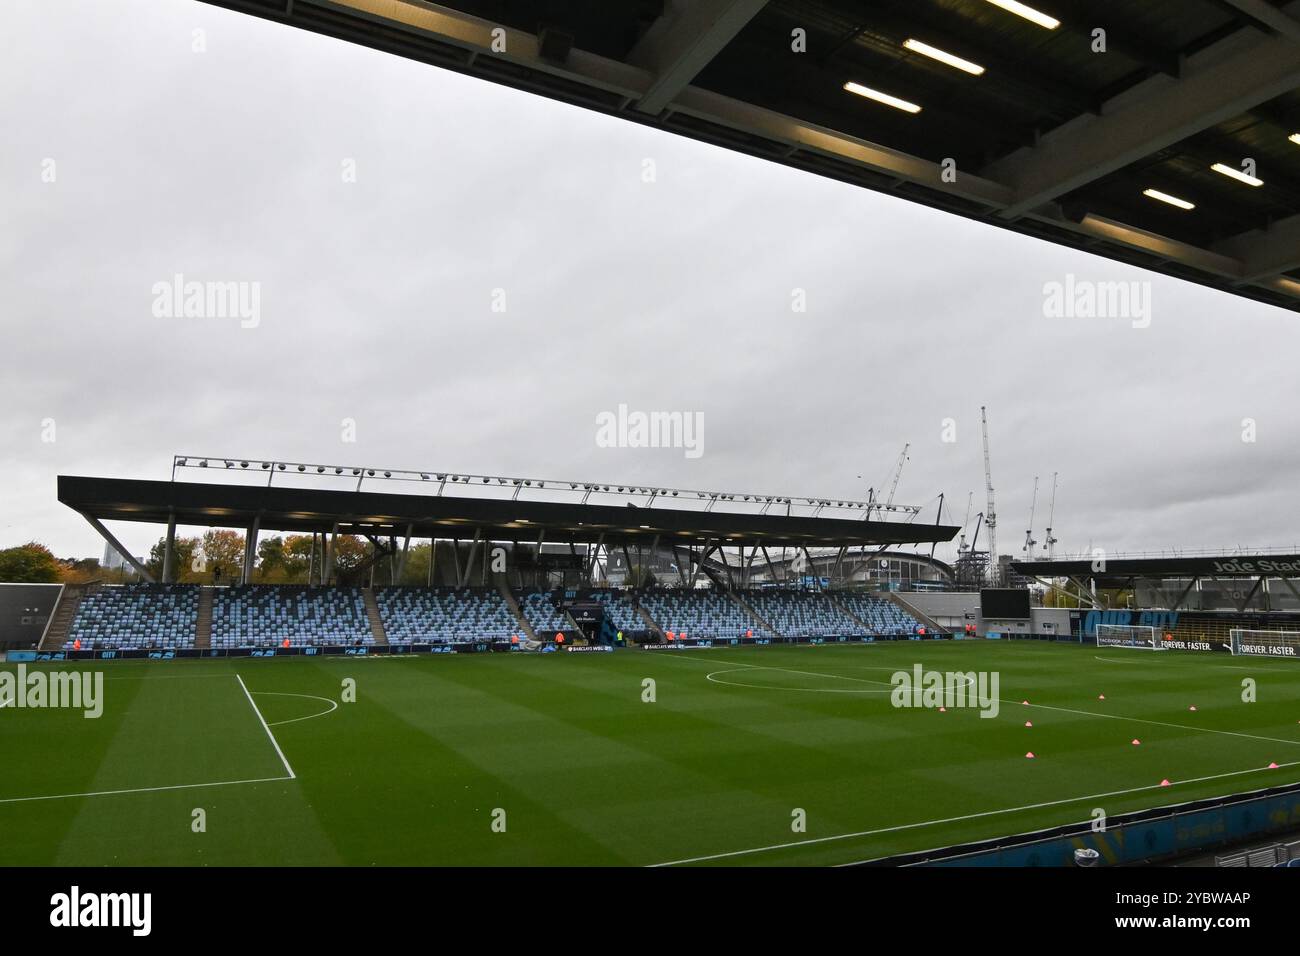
(586, 772)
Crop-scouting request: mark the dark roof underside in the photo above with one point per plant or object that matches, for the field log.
(375, 513)
(1116, 569)
(1053, 140)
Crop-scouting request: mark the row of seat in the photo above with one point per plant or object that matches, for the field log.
(882, 617)
(452, 615)
(700, 614)
(268, 616)
(165, 616)
(135, 616)
(802, 614)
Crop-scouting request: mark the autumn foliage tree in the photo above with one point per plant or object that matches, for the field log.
(30, 563)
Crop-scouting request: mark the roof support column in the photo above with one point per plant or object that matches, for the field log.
(169, 552)
(330, 548)
(1183, 595)
(1290, 587)
(116, 545)
(250, 549)
(1250, 594)
(406, 550)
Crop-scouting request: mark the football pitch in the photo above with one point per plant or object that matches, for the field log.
(561, 759)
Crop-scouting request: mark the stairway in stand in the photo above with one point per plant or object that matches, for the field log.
(56, 631)
(753, 614)
(512, 602)
(372, 612)
(203, 623)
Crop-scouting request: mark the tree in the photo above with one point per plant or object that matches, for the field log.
(417, 565)
(349, 554)
(184, 551)
(270, 559)
(297, 558)
(30, 563)
(223, 554)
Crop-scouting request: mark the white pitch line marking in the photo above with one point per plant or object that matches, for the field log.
(969, 816)
(109, 793)
(334, 705)
(262, 720)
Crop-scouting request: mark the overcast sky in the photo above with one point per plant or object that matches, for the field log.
(376, 302)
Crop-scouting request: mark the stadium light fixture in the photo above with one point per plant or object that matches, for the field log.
(1233, 173)
(1166, 198)
(1028, 12)
(889, 100)
(943, 56)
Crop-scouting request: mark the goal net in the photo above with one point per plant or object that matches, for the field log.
(1140, 636)
(1260, 643)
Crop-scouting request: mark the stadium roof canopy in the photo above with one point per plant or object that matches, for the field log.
(384, 513)
(1210, 565)
(1052, 139)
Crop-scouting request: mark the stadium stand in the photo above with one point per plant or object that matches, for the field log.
(259, 615)
(620, 610)
(883, 618)
(545, 619)
(445, 615)
(135, 616)
(1216, 627)
(802, 614)
(699, 613)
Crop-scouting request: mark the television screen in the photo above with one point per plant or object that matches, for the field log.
(1003, 603)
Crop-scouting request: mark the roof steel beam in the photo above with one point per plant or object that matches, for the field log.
(1266, 252)
(678, 46)
(1165, 112)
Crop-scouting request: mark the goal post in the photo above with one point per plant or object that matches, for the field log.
(1254, 642)
(1140, 636)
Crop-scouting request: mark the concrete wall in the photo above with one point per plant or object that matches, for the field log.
(952, 610)
(24, 609)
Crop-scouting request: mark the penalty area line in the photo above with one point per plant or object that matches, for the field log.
(262, 720)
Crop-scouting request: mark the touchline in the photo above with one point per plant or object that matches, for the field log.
(74, 690)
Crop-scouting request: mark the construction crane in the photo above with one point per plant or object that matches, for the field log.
(961, 544)
(898, 473)
(1049, 545)
(1029, 534)
(990, 514)
(873, 503)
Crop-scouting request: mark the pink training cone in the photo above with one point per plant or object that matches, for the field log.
(943, 710)
(1101, 696)
(1193, 707)
(1025, 702)
(1165, 783)
(1030, 755)
(1029, 723)
(1272, 766)
(1136, 742)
